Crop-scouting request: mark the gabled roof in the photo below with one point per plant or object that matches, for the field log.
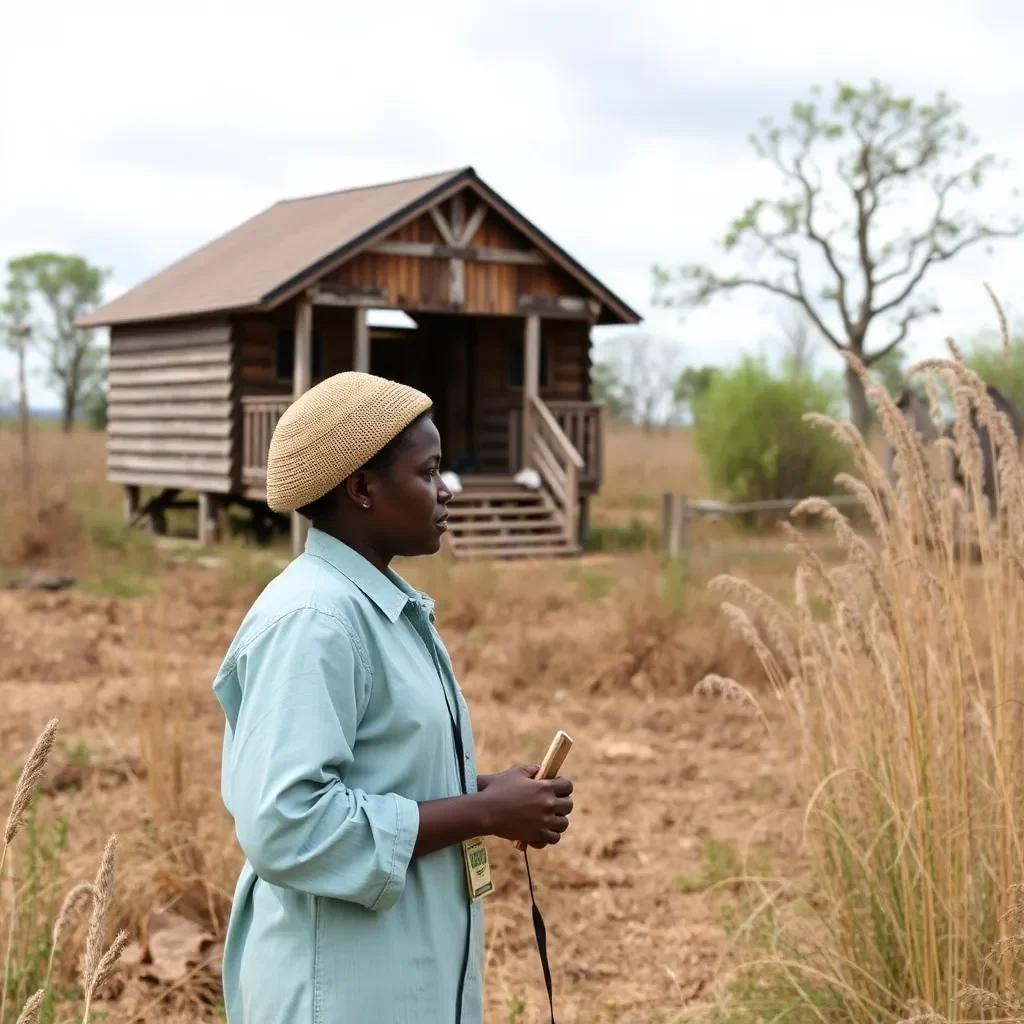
(266, 259)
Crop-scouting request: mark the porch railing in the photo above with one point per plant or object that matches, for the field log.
(582, 423)
(553, 455)
(260, 414)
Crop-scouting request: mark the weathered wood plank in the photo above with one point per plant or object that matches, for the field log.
(302, 372)
(161, 357)
(560, 306)
(175, 464)
(124, 410)
(182, 481)
(476, 219)
(334, 293)
(442, 225)
(457, 282)
(458, 216)
(213, 447)
(214, 373)
(478, 254)
(361, 354)
(178, 393)
(169, 428)
(125, 340)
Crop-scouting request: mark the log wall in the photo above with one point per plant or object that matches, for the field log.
(171, 409)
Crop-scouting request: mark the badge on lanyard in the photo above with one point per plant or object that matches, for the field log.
(478, 868)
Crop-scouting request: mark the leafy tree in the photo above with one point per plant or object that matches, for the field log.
(65, 287)
(95, 408)
(14, 329)
(841, 241)
(753, 440)
(691, 384)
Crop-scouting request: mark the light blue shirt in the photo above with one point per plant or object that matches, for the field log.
(334, 689)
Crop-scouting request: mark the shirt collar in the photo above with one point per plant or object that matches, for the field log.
(388, 591)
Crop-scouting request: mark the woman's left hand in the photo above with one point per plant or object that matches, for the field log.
(483, 781)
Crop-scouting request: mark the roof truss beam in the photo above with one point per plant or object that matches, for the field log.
(479, 254)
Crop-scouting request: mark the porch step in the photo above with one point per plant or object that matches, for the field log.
(494, 517)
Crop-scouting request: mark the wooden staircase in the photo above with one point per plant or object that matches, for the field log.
(495, 517)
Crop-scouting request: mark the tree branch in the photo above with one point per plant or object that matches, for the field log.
(797, 174)
(908, 318)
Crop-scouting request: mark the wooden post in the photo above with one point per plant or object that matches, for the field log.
(361, 342)
(131, 502)
(207, 515)
(457, 267)
(583, 528)
(531, 381)
(302, 376)
(674, 509)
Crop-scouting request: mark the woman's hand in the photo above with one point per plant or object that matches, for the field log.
(483, 781)
(521, 807)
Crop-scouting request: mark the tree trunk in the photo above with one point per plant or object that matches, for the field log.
(860, 411)
(23, 423)
(67, 419)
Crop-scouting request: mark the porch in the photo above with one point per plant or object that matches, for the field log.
(581, 423)
(493, 515)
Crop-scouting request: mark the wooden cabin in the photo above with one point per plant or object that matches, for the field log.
(207, 354)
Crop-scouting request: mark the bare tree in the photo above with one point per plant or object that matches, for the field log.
(636, 378)
(838, 265)
(800, 340)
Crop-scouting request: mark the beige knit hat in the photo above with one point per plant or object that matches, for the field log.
(327, 433)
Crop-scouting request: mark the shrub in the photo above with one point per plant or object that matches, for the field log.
(1001, 368)
(907, 698)
(753, 440)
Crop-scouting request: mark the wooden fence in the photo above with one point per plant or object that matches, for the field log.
(677, 511)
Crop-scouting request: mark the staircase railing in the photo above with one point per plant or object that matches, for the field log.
(551, 453)
(581, 422)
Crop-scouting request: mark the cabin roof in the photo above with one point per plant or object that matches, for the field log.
(266, 259)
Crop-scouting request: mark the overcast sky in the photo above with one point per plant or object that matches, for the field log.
(132, 133)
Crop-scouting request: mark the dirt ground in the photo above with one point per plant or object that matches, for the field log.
(671, 790)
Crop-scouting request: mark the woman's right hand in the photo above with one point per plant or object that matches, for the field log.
(521, 807)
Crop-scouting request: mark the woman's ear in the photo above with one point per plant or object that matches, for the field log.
(358, 490)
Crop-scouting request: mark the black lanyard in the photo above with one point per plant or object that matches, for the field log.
(541, 935)
(460, 750)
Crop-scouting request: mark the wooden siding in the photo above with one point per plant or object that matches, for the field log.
(497, 343)
(171, 406)
(256, 343)
(423, 283)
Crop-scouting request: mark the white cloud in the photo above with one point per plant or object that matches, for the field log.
(133, 133)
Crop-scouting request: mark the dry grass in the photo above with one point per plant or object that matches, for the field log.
(99, 960)
(608, 648)
(907, 695)
(677, 795)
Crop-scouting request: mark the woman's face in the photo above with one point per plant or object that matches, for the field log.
(408, 498)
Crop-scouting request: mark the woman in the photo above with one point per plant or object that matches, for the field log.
(348, 764)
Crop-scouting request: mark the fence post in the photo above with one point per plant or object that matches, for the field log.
(674, 509)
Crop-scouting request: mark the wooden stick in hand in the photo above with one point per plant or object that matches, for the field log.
(552, 762)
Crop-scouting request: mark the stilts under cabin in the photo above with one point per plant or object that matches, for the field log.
(207, 354)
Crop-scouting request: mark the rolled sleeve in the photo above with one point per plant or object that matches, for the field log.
(299, 823)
